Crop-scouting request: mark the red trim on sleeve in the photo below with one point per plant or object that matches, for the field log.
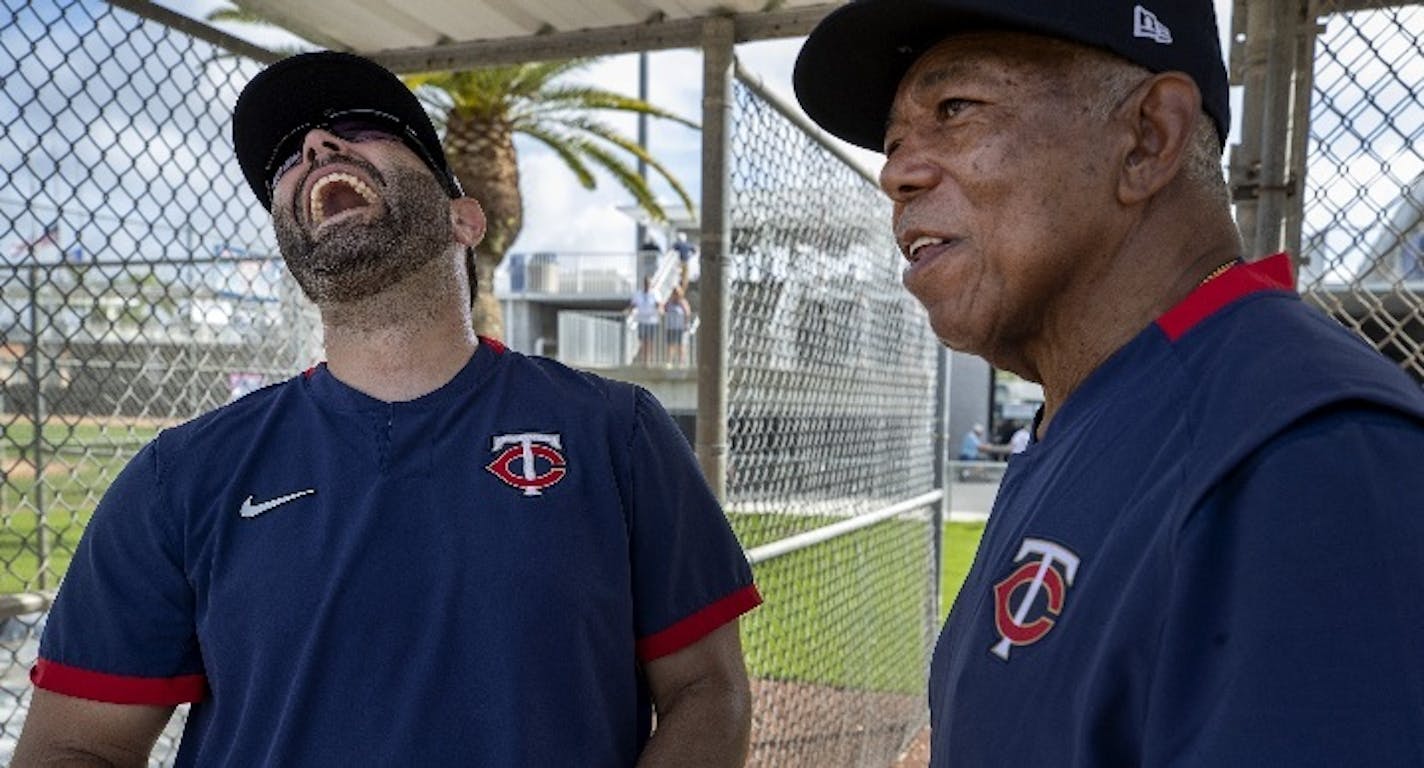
(698, 625)
(1273, 273)
(117, 689)
(494, 344)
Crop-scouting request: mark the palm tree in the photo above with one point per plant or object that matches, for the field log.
(481, 110)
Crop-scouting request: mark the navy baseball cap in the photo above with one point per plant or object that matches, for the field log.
(308, 90)
(850, 67)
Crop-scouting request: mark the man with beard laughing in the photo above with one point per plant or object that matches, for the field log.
(428, 550)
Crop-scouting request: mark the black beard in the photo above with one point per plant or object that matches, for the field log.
(360, 258)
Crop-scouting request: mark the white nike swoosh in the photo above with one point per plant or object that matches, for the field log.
(253, 510)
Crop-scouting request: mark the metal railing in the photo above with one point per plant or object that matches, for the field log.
(600, 340)
(581, 275)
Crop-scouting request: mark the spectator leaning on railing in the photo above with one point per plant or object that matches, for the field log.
(677, 314)
(646, 310)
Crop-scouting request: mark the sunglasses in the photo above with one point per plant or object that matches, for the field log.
(354, 125)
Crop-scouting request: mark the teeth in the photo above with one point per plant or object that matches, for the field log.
(318, 212)
(921, 242)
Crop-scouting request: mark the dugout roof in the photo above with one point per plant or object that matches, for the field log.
(428, 35)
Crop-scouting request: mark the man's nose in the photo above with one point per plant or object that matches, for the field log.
(908, 171)
(319, 143)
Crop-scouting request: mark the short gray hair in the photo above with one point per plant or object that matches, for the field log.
(1114, 79)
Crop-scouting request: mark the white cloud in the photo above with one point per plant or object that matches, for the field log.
(561, 216)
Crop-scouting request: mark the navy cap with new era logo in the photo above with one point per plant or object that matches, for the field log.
(850, 67)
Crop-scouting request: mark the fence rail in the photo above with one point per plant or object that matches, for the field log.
(821, 535)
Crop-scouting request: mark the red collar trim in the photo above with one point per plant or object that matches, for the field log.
(1273, 273)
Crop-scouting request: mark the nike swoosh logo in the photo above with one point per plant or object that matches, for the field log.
(253, 510)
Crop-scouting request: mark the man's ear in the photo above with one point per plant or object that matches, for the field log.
(1163, 114)
(468, 219)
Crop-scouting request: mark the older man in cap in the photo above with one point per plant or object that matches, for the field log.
(428, 550)
(1211, 551)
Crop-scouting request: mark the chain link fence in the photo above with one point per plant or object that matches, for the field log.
(1363, 219)
(138, 285)
(831, 405)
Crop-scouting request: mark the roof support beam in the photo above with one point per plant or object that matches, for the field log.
(715, 304)
(660, 35)
(198, 29)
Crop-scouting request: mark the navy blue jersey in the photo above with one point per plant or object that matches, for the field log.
(472, 577)
(1213, 557)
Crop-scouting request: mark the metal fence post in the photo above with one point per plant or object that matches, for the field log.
(1307, 31)
(717, 44)
(37, 415)
(942, 479)
(1275, 127)
(1258, 164)
(1245, 156)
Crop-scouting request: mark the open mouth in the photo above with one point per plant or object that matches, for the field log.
(338, 193)
(914, 252)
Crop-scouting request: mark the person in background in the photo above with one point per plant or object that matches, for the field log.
(1210, 555)
(677, 315)
(686, 252)
(969, 446)
(646, 310)
(1019, 440)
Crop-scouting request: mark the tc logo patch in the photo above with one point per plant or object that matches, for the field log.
(1033, 576)
(537, 456)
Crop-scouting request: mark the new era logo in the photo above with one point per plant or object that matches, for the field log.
(1145, 24)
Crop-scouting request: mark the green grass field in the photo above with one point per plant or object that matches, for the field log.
(852, 612)
(960, 542)
(81, 458)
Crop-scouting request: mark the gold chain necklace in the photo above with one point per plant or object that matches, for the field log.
(1218, 272)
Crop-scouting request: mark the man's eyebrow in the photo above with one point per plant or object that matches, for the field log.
(936, 76)
(957, 69)
(930, 79)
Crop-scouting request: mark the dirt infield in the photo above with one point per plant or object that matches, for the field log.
(20, 469)
(917, 755)
(115, 422)
(799, 724)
